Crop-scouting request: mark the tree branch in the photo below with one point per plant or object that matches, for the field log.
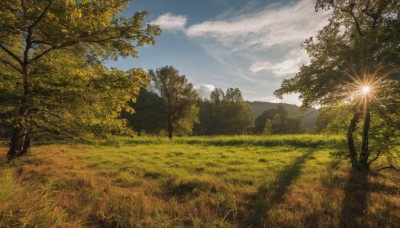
(390, 166)
(350, 11)
(11, 54)
(355, 21)
(10, 65)
(23, 7)
(41, 15)
(376, 157)
(66, 44)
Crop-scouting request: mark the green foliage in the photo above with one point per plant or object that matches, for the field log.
(267, 127)
(359, 43)
(148, 118)
(325, 117)
(52, 79)
(359, 47)
(308, 116)
(178, 98)
(224, 113)
(279, 122)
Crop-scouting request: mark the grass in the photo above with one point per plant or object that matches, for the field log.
(249, 140)
(241, 181)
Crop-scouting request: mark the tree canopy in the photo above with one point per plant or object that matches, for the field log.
(149, 116)
(52, 74)
(178, 100)
(355, 65)
(277, 121)
(225, 113)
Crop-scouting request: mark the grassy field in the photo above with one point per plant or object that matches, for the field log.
(242, 181)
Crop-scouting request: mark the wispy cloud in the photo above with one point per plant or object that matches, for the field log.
(261, 48)
(268, 39)
(255, 48)
(274, 25)
(291, 65)
(170, 22)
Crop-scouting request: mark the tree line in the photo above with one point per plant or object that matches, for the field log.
(171, 106)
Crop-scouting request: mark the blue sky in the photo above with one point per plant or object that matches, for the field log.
(249, 44)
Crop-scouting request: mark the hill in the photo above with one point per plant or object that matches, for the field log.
(308, 117)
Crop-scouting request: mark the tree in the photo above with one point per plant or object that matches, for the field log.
(267, 127)
(262, 118)
(179, 100)
(276, 122)
(293, 125)
(53, 79)
(148, 116)
(355, 67)
(325, 117)
(279, 120)
(225, 113)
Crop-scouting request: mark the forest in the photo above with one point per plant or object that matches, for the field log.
(91, 136)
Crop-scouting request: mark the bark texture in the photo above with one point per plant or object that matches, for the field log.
(350, 140)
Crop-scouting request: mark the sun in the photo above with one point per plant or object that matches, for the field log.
(365, 90)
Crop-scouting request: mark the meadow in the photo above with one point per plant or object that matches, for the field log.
(238, 181)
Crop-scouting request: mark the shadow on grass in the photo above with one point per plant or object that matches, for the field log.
(353, 212)
(272, 194)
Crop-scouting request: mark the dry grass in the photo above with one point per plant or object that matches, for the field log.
(188, 184)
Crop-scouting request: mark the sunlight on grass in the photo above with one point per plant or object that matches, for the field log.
(196, 181)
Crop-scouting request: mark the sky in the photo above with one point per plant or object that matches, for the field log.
(247, 44)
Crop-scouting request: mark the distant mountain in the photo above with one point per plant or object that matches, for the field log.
(308, 117)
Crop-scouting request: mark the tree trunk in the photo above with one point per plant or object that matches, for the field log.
(27, 145)
(364, 146)
(17, 142)
(19, 145)
(169, 121)
(170, 130)
(350, 141)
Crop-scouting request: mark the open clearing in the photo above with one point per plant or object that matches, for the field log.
(290, 181)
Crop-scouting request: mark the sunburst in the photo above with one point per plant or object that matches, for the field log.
(365, 90)
(363, 87)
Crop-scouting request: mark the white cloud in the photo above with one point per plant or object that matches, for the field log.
(170, 22)
(253, 50)
(268, 40)
(271, 26)
(291, 65)
(204, 90)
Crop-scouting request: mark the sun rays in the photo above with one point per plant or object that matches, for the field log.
(363, 87)
(365, 90)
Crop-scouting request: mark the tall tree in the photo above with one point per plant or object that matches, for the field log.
(225, 113)
(355, 63)
(53, 51)
(179, 100)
